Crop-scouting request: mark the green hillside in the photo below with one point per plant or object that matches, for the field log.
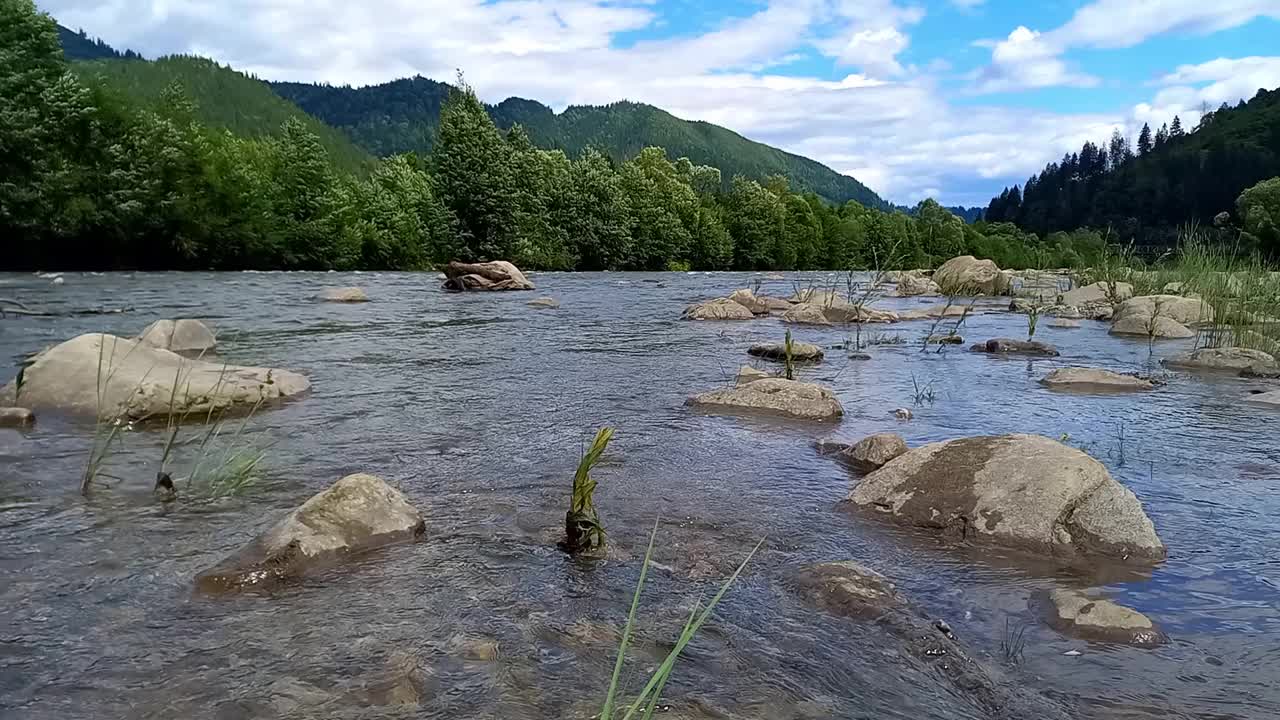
(224, 98)
(402, 115)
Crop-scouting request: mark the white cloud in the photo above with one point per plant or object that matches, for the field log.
(1190, 89)
(875, 51)
(1024, 60)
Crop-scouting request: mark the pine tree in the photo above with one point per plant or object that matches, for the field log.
(1175, 130)
(1162, 135)
(1144, 140)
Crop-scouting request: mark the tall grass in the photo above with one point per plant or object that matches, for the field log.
(583, 530)
(646, 703)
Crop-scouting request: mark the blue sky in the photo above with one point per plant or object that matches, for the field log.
(946, 98)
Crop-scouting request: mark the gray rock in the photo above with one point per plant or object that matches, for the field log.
(1182, 310)
(718, 309)
(935, 312)
(805, 314)
(912, 285)
(800, 351)
(748, 300)
(1077, 614)
(111, 377)
(1229, 358)
(355, 514)
(1094, 380)
(774, 304)
(855, 314)
(548, 303)
(489, 276)
(1268, 398)
(343, 295)
(1020, 491)
(1161, 328)
(875, 451)
(848, 588)
(774, 396)
(16, 417)
(944, 340)
(1006, 346)
(1099, 293)
(966, 275)
(859, 356)
(181, 336)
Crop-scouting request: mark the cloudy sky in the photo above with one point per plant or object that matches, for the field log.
(945, 98)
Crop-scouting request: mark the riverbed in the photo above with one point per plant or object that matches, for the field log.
(478, 406)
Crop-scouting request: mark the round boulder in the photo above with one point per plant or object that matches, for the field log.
(718, 309)
(1099, 293)
(496, 275)
(1094, 380)
(1077, 614)
(1161, 328)
(966, 275)
(1021, 491)
(774, 396)
(1183, 310)
(748, 300)
(343, 295)
(805, 314)
(180, 336)
(875, 451)
(800, 351)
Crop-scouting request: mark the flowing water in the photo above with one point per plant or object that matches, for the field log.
(478, 407)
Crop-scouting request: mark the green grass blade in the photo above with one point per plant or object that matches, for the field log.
(607, 712)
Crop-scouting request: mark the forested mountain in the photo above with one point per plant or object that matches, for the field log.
(224, 98)
(1146, 190)
(402, 116)
(79, 46)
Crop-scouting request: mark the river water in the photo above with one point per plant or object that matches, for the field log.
(478, 407)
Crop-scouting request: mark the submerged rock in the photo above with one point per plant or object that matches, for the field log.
(1064, 323)
(1152, 327)
(748, 300)
(1021, 491)
(805, 314)
(357, 513)
(496, 275)
(1095, 380)
(966, 275)
(111, 377)
(1182, 310)
(800, 351)
(718, 309)
(944, 340)
(1007, 346)
(548, 303)
(875, 451)
(848, 588)
(1268, 398)
(343, 295)
(16, 417)
(935, 312)
(1075, 613)
(180, 336)
(1229, 358)
(774, 396)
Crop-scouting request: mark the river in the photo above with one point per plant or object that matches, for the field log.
(478, 407)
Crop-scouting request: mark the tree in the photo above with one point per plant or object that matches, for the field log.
(1259, 211)
(941, 233)
(1162, 135)
(1175, 129)
(1118, 149)
(597, 217)
(756, 221)
(1144, 140)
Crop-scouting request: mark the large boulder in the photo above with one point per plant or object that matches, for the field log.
(1231, 359)
(1084, 379)
(966, 275)
(718, 309)
(774, 396)
(496, 275)
(111, 377)
(805, 314)
(1010, 346)
(1021, 491)
(343, 295)
(1078, 614)
(748, 300)
(800, 351)
(1183, 310)
(180, 336)
(1161, 328)
(911, 285)
(1099, 293)
(357, 513)
(875, 451)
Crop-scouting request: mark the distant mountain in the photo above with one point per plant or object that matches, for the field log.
(402, 115)
(224, 98)
(77, 45)
(1174, 177)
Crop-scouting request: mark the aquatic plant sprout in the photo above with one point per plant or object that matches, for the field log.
(583, 530)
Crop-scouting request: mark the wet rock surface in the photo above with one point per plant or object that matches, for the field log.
(1083, 615)
(718, 309)
(547, 303)
(875, 451)
(1153, 327)
(1010, 346)
(343, 295)
(1225, 358)
(800, 351)
(16, 417)
(748, 300)
(774, 396)
(1084, 379)
(805, 314)
(489, 276)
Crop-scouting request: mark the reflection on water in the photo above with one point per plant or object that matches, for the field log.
(477, 406)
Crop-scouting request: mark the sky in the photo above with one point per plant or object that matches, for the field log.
(951, 99)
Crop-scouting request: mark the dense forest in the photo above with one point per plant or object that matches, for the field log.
(79, 46)
(1146, 190)
(401, 116)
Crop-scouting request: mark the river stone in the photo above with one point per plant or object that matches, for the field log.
(1268, 398)
(1009, 346)
(1094, 379)
(800, 351)
(966, 275)
(775, 304)
(749, 374)
(137, 381)
(1020, 491)
(496, 275)
(16, 417)
(748, 300)
(854, 314)
(180, 336)
(357, 513)
(1075, 613)
(944, 340)
(1229, 358)
(718, 309)
(875, 451)
(1064, 323)
(935, 311)
(1183, 310)
(911, 285)
(1162, 328)
(548, 303)
(847, 588)
(1099, 293)
(343, 295)
(774, 396)
(805, 314)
